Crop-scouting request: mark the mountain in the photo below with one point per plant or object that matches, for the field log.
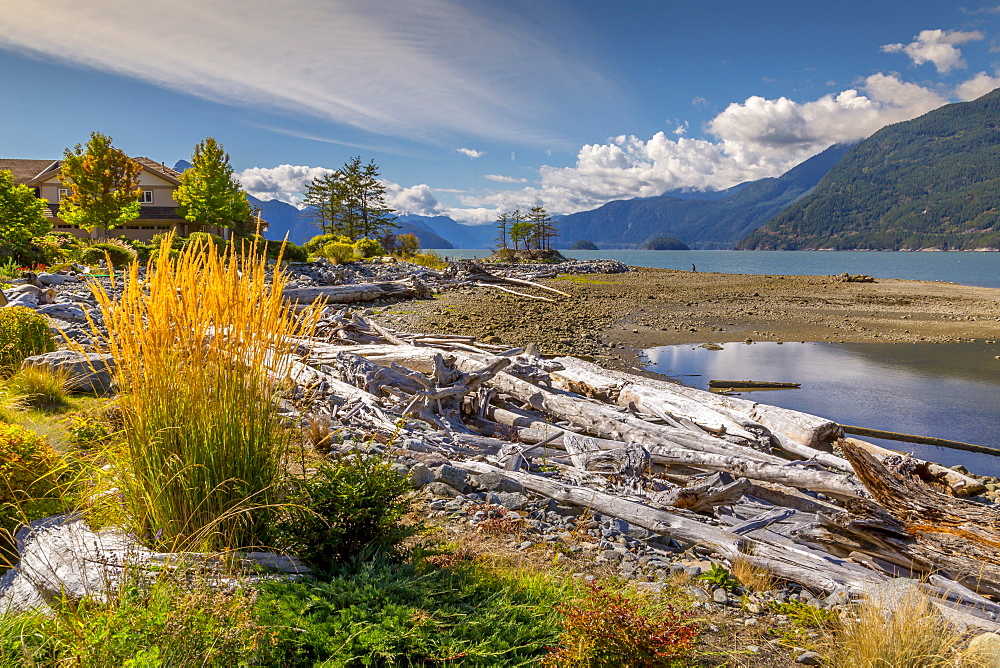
(460, 236)
(700, 220)
(181, 165)
(932, 182)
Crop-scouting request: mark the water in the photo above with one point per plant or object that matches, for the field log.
(981, 269)
(947, 390)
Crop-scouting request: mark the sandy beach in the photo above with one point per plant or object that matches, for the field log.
(610, 317)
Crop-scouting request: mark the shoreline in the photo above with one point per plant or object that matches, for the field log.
(611, 318)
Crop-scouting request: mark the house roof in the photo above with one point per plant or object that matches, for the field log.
(35, 171)
(26, 170)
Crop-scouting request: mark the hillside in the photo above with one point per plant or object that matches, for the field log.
(702, 221)
(929, 183)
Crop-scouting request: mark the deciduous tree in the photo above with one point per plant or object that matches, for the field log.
(22, 215)
(209, 194)
(102, 184)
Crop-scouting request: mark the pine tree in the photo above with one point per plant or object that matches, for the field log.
(209, 194)
(503, 220)
(102, 184)
(350, 202)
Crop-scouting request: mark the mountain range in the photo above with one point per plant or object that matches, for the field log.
(929, 183)
(701, 220)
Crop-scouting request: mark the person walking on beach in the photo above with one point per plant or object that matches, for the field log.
(693, 268)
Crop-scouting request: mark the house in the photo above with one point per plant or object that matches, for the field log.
(158, 211)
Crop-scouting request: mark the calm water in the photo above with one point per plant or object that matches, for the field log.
(981, 269)
(947, 390)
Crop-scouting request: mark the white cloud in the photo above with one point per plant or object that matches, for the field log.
(979, 85)
(470, 152)
(419, 200)
(286, 183)
(751, 140)
(421, 71)
(938, 47)
(500, 178)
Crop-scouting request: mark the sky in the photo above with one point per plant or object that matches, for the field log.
(474, 107)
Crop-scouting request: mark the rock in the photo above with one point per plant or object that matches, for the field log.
(719, 595)
(986, 647)
(51, 279)
(809, 659)
(512, 500)
(87, 372)
(70, 312)
(497, 482)
(62, 556)
(452, 476)
(420, 475)
(441, 489)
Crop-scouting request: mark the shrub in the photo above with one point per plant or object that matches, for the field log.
(206, 237)
(608, 629)
(23, 333)
(338, 252)
(175, 242)
(119, 253)
(9, 268)
(347, 508)
(408, 244)
(365, 248)
(29, 476)
(203, 445)
(316, 243)
(429, 259)
(293, 253)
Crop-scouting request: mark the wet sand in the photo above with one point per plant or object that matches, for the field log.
(611, 317)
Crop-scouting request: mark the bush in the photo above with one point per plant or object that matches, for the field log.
(206, 237)
(365, 248)
(338, 252)
(292, 253)
(346, 508)
(429, 259)
(119, 253)
(23, 333)
(29, 476)
(175, 242)
(608, 629)
(316, 243)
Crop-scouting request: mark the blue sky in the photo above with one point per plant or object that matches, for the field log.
(474, 107)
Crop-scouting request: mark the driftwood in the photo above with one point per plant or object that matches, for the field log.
(924, 440)
(959, 483)
(720, 489)
(361, 292)
(755, 384)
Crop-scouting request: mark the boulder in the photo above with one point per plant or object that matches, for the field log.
(61, 556)
(87, 372)
(494, 481)
(70, 312)
(51, 279)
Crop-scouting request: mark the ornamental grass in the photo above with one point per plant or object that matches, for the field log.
(200, 342)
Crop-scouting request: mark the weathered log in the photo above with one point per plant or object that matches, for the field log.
(705, 495)
(923, 440)
(955, 537)
(754, 384)
(586, 454)
(361, 292)
(960, 484)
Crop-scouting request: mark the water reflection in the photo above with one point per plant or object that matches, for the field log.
(945, 390)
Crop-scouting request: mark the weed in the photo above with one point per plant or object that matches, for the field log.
(719, 576)
(753, 577)
(606, 628)
(9, 268)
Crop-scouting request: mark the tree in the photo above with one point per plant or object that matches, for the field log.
(543, 228)
(503, 220)
(351, 202)
(22, 215)
(209, 194)
(102, 184)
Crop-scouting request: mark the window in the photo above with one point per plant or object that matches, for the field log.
(146, 197)
(63, 192)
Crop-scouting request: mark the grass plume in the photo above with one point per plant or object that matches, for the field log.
(200, 341)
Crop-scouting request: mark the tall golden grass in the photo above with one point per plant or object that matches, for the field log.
(199, 342)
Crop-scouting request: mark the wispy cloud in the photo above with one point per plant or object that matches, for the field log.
(423, 71)
(500, 178)
(939, 47)
(470, 152)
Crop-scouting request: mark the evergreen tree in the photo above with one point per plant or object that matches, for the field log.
(376, 217)
(209, 194)
(503, 220)
(102, 183)
(22, 215)
(350, 202)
